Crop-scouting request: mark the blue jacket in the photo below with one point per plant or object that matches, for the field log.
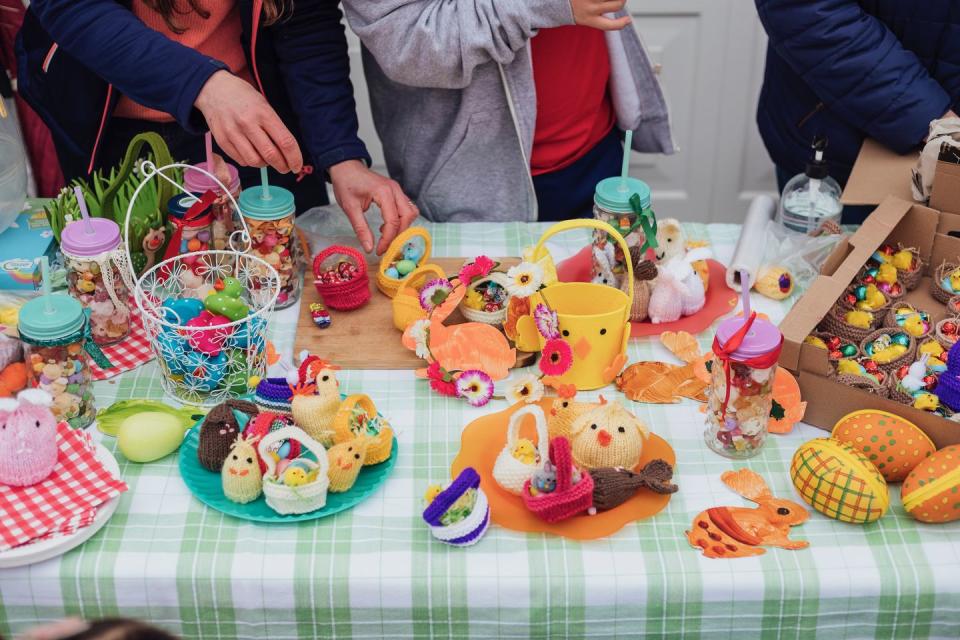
(849, 69)
(76, 58)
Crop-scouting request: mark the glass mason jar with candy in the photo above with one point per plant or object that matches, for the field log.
(221, 209)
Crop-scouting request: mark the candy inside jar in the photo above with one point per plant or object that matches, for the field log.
(222, 209)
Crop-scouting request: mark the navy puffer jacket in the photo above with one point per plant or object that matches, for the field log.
(849, 69)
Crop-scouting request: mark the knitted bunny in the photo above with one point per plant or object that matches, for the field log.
(28, 438)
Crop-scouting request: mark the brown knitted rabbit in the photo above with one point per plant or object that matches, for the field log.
(220, 430)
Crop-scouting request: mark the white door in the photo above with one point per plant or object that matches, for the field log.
(710, 57)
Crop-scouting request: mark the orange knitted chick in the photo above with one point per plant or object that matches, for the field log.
(608, 436)
(316, 398)
(345, 461)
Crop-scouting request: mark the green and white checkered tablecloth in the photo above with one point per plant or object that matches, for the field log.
(375, 571)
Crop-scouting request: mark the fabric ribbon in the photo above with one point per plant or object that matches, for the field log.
(198, 215)
(647, 221)
(724, 353)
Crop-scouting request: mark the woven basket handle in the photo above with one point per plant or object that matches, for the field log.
(468, 479)
(394, 249)
(332, 250)
(599, 225)
(291, 433)
(562, 462)
(418, 277)
(513, 429)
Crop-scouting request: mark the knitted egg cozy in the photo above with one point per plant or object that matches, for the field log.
(241, 477)
(469, 530)
(345, 461)
(220, 430)
(274, 395)
(28, 440)
(948, 386)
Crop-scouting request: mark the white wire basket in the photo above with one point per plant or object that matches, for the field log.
(205, 358)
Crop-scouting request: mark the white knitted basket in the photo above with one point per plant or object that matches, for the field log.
(488, 317)
(290, 500)
(476, 523)
(509, 472)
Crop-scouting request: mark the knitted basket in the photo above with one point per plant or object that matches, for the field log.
(487, 317)
(907, 357)
(469, 530)
(382, 441)
(304, 498)
(864, 384)
(941, 337)
(568, 499)
(911, 278)
(274, 395)
(264, 423)
(936, 283)
(342, 296)
(835, 324)
(878, 312)
(406, 304)
(824, 335)
(953, 306)
(510, 473)
(387, 285)
(890, 317)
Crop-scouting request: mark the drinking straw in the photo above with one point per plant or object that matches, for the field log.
(208, 144)
(264, 184)
(745, 293)
(625, 165)
(83, 209)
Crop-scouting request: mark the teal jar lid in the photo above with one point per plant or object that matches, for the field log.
(276, 203)
(63, 318)
(613, 194)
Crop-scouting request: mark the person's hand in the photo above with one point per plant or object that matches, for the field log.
(355, 187)
(245, 125)
(589, 13)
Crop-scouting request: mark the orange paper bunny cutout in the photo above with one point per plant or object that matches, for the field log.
(461, 347)
(738, 532)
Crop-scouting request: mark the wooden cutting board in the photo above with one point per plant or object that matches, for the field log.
(366, 338)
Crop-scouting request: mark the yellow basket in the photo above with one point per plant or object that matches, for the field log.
(406, 304)
(387, 285)
(381, 443)
(594, 318)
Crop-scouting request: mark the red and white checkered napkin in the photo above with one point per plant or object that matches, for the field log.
(130, 353)
(63, 503)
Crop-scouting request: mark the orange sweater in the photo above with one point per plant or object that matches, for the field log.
(219, 36)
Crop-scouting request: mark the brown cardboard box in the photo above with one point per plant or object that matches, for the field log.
(877, 174)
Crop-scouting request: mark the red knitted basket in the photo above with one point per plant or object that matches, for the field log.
(343, 296)
(566, 500)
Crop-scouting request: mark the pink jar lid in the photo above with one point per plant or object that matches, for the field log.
(197, 182)
(762, 337)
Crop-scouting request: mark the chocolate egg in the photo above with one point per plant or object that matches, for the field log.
(860, 292)
(901, 339)
(893, 444)
(849, 350)
(833, 343)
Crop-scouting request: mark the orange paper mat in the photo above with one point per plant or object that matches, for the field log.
(484, 438)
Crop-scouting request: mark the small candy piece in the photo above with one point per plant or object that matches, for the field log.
(848, 350)
(869, 279)
(871, 366)
(850, 299)
(392, 272)
(929, 382)
(194, 245)
(949, 328)
(835, 355)
(901, 339)
(833, 343)
(861, 292)
(320, 315)
(903, 371)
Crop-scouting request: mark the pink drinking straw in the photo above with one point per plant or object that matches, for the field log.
(208, 144)
(745, 294)
(84, 213)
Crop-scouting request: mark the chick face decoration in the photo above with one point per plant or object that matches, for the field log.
(345, 461)
(240, 475)
(608, 436)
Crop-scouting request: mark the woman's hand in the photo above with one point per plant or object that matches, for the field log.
(245, 125)
(589, 13)
(355, 187)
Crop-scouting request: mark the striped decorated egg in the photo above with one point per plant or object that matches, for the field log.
(931, 493)
(895, 445)
(838, 481)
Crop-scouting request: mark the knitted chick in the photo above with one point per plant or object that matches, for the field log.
(608, 436)
(903, 260)
(524, 451)
(300, 472)
(859, 319)
(240, 475)
(316, 398)
(563, 412)
(345, 461)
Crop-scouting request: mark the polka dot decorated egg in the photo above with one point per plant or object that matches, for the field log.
(895, 445)
(931, 493)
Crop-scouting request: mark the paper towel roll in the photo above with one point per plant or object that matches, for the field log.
(752, 243)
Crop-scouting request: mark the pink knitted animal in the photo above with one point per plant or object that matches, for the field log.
(28, 438)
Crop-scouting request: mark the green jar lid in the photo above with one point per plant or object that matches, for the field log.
(613, 194)
(276, 203)
(64, 317)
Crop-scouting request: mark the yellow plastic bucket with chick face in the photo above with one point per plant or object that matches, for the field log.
(594, 318)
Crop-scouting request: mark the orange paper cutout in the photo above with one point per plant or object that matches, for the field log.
(660, 383)
(482, 441)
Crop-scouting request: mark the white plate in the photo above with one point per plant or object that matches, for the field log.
(53, 547)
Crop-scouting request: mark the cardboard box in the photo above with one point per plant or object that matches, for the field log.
(21, 244)
(879, 175)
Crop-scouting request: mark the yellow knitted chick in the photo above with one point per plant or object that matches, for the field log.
(563, 412)
(608, 436)
(345, 461)
(859, 319)
(524, 451)
(300, 472)
(903, 260)
(240, 474)
(316, 400)
(887, 273)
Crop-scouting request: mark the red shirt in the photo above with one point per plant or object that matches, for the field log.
(571, 71)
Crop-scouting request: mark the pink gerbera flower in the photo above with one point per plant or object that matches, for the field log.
(557, 357)
(480, 267)
(441, 381)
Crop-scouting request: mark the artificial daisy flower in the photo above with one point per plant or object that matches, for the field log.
(434, 293)
(525, 279)
(420, 332)
(557, 357)
(475, 387)
(480, 267)
(527, 388)
(547, 322)
(441, 381)
(545, 262)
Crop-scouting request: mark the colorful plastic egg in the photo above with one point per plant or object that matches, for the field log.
(931, 493)
(893, 444)
(149, 436)
(838, 481)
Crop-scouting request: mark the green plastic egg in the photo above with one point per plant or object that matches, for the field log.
(901, 339)
(149, 436)
(406, 266)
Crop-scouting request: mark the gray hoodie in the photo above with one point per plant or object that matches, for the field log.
(453, 98)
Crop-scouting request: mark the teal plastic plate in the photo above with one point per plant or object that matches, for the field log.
(208, 489)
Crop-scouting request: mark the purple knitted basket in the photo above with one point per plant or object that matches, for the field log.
(468, 531)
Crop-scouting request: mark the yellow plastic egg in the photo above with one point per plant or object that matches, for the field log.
(860, 319)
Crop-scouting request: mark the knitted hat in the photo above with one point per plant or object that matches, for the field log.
(28, 440)
(274, 395)
(220, 429)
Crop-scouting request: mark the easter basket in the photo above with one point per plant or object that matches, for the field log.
(417, 238)
(344, 295)
(942, 336)
(876, 311)
(907, 357)
(487, 317)
(912, 277)
(406, 304)
(469, 530)
(937, 290)
(864, 383)
(509, 472)
(302, 498)
(892, 293)
(953, 306)
(826, 336)
(890, 319)
(568, 499)
(205, 313)
(357, 415)
(835, 324)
